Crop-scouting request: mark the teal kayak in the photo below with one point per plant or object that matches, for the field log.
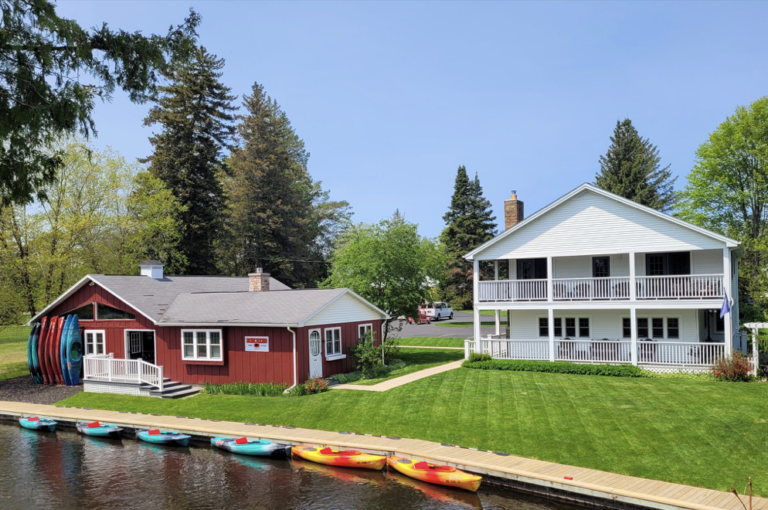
(96, 429)
(257, 447)
(36, 378)
(166, 437)
(63, 350)
(74, 352)
(35, 423)
(30, 342)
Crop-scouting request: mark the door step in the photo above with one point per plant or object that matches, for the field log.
(171, 389)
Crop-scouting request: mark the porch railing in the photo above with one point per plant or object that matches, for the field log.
(516, 349)
(513, 290)
(590, 289)
(107, 368)
(679, 353)
(680, 287)
(595, 351)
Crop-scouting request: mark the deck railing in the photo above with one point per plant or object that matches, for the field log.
(107, 368)
(513, 290)
(680, 287)
(594, 351)
(590, 289)
(516, 349)
(679, 353)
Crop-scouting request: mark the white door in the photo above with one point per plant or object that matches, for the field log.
(315, 354)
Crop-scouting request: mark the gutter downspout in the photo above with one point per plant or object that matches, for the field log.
(295, 369)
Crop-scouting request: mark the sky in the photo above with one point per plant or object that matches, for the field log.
(391, 97)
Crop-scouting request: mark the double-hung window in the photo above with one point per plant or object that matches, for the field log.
(626, 328)
(333, 343)
(94, 342)
(642, 329)
(657, 327)
(673, 328)
(201, 344)
(362, 329)
(544, 327)
(575, 325)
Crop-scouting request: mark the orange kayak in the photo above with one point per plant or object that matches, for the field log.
(433, 473)
(342, 458)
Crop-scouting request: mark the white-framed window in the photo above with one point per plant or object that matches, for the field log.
(577, 327)
(94, 342)
(362, 329)
(201, 344)
(544, 327)
(333, 343)
(659, 328)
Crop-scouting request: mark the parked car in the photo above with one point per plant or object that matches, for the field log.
(437, 310)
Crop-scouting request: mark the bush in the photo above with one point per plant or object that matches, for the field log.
(316, 385)
(479, 356)
(365, 355)
(298, 391)
(560, 367)
(245, 388)
(737, 367)
(379, 371)
(391, 349)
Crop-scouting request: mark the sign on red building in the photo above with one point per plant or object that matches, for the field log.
(257, 343)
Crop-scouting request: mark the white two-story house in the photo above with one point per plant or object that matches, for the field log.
(597, 278)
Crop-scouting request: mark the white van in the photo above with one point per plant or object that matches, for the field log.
(437, 310)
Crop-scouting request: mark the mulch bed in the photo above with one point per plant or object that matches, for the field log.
(21, 389)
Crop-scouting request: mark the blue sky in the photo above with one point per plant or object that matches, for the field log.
(391, 97)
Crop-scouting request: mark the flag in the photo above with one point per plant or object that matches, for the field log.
(726, 306)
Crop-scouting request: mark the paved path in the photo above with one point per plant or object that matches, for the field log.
(621, 488)
(399, 381)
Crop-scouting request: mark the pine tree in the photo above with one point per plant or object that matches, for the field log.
(195, 113)
(631, 169)
(469, 223)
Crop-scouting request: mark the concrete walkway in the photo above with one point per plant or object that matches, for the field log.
(399, 381)
(546, 476)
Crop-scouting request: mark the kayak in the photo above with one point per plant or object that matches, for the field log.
(434, 473)
(35, 360)
(30, 342)
(96, 429)
(63, 350)
(245, 446)
(35, 423)
(57, 350)
(341, 458)
(74, 352)
(41, 350)
(51, 351)
(166, 437)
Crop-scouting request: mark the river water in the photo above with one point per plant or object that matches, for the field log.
(65, 470)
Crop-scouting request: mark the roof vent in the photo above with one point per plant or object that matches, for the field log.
(152, 268)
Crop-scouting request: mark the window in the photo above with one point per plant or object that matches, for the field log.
(558, 327)
(314, 342)
(658, 264)
(362, 329)
(584, 328)
(719, 322)
(673, 328)
(570, 328)
(658, 328)
(94, 342)
(333, 342)
(601, 267)
(531, 269)
(626, 328)
(201, 344)
(544, 327)
(642, 328)
(84, 313)
(107, 313)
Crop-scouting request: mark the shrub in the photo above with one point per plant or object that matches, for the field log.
(379, 371)
(391, 350)
(245, 388)
(737, 367)
(365, 355)
(316, 385)
(298, 391)
(479, 356)
(560, 367)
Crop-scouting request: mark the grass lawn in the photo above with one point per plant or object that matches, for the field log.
(707, 434)
(482, 312)
(458, 324)
(13, 351)
(417, 359)
(432, 341)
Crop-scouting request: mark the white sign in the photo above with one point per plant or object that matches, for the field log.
(257, 344)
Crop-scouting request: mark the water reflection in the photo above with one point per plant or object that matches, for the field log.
(68, 471)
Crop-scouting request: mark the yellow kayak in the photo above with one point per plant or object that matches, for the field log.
(433, 473)
(342, 458)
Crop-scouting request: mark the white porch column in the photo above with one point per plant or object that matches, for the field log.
(551, 330)
(549, 279)
(475, 292)
(632, 274)
(633, 336)
(728, 319)
(497, 313)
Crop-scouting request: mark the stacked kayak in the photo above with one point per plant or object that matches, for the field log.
(165, 437)
(341, 458)
(245, 446)
(96, 429)
(433, 473)
(55, 351)
(36, 423)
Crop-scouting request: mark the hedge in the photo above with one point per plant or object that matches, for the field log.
(560, 367)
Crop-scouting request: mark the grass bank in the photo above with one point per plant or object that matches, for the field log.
(415, 360)
(13, 351)
(707, 434)
(432, 341)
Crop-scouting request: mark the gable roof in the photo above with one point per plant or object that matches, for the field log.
(584, 188)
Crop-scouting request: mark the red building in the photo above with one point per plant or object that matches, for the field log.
(155, 335)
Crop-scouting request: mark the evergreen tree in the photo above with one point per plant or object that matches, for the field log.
(469, 223)
(195, 113)
(631, 169)
(277, 217)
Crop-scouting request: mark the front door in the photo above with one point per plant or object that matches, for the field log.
(141, 344)
(315, 354)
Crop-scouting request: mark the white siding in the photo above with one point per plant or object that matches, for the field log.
(590, 223)
(602, 323)
(347, 308)
(707, 262)
(581, 267)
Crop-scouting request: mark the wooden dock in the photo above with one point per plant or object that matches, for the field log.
(584, 484)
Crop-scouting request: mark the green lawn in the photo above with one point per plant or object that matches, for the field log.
(417, 359)
(482, 312)
(432, 341)
(13, 351)
(458, 324)
(707, 434)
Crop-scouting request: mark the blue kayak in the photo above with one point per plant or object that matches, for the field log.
(35, 423)
(257, 447)
(63, 350)
(30, 342)
(96, 429)
(36, 377)
(74, 352)
(166, 437)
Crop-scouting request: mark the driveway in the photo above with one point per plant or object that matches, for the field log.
(433, 330)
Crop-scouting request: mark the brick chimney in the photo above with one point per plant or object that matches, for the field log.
(258, 281)
(513, 211)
